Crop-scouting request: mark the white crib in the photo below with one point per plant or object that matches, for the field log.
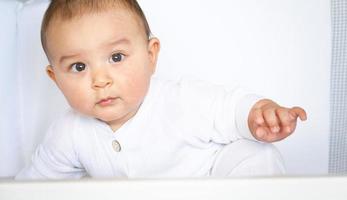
(317, 188)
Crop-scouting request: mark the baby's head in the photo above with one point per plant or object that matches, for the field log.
(101, 56)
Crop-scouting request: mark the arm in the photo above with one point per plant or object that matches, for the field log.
(55, 158)
(220, 112)
(235, 113)
(48, 165)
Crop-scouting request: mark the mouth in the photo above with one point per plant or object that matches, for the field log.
(106, 101)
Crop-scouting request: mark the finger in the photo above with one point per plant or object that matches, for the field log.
(258, 117)
(285, 118)
(288, 129)
(266, 135)
(297, 111)
(288, 121)
(262, 133)
(271, 120)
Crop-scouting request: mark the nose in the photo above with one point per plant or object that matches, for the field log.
(101, 79)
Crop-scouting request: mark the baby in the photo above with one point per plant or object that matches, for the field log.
(124, 123)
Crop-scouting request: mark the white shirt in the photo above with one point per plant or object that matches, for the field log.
(177, 132)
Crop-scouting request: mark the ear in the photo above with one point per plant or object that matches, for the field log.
(50, 72)
(153, 52)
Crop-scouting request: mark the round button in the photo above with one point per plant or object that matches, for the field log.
(116, 146)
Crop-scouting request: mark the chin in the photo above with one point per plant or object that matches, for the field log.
(109, 117)
(106, 118)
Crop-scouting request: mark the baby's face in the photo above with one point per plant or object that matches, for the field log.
(102, 62)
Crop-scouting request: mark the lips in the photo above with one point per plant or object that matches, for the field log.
(106, 101)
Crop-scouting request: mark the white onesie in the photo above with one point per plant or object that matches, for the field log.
(178, 131)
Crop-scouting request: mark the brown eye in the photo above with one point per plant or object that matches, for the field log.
(78, 67)
(117, 57)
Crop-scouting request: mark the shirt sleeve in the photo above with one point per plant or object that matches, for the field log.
(55, 158)
(223, 110)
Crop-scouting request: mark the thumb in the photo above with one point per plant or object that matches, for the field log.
(298, 112)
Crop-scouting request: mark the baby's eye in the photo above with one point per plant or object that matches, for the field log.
(117, 57)
(78, 67)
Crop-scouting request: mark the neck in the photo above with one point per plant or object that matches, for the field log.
(116, 124)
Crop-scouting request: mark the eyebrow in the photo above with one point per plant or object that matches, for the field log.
(67, 57)
(117, 42)
(108, 44)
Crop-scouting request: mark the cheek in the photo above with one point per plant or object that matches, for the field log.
(135, 84)
(75, 93)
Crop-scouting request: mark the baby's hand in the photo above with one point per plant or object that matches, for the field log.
(270, 122)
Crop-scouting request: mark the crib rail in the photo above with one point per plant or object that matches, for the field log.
(317, 188)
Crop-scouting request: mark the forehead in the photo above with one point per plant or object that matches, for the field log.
(113, 16)
(93, 28)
